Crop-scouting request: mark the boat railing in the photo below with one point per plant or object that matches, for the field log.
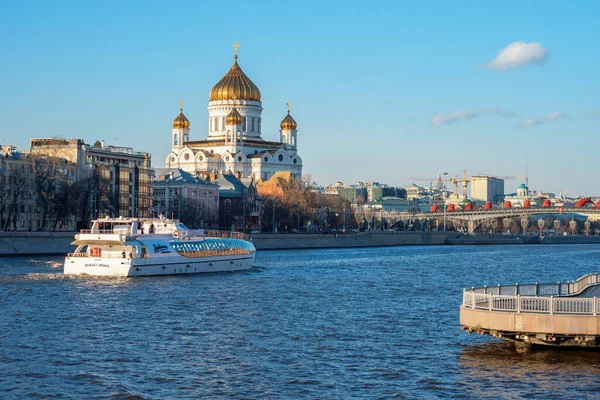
(102, 231)
(104, 255)
(213, 233)
(536, 298)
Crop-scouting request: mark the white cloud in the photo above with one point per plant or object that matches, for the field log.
(446, 119)
(555, 116)
(518, 54)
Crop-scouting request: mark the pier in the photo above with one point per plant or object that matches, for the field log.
(555, 314)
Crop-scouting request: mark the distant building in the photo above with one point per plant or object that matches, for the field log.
(127, 174)
(486, 188)
(179, 194)
(376, 190)
(31, 195)
(388, 203)
(519, 198)
(415, 191)
(240, 207)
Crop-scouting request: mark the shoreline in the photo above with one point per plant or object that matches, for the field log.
(19, 244)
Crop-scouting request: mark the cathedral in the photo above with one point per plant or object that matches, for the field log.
(234, 144)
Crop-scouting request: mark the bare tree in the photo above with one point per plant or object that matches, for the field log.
(15, 196)
(193, 213)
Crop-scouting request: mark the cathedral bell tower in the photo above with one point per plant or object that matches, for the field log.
(288, 133)
(234, 125)
(181, 130)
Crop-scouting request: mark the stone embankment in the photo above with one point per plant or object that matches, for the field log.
(267, 241)
(59, 243)
(35, 243)
(44, 243)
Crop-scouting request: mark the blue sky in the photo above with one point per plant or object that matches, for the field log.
(367, 81)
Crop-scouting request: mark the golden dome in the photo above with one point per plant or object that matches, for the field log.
(234, 118)
(288, 122)
(235, 85)
(181, 121)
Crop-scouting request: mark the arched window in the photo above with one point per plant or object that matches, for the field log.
(176, 140)
(227, 205)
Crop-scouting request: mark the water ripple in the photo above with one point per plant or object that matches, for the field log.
(351, 323)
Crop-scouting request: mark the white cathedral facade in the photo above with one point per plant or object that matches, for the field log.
(234, 143)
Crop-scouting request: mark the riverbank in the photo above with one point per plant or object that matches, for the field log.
(59, 243)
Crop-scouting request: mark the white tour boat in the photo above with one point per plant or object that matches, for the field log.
(159, 246)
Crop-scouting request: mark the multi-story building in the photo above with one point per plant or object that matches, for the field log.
(181, 195)
(122, 175)
(240, 207)
(486, 188)
(377, 190)
(34, 191)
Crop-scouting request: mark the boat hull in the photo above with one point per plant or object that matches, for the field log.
(151, 267)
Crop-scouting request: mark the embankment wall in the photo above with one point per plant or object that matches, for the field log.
(59, 243)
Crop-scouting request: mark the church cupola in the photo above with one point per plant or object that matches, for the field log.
(234, 90)
(288, 132)
(181, 129)
(288, 122)
(234, 117)
(181, 121)
(234, 126)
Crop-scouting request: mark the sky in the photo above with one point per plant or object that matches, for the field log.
(381, 91)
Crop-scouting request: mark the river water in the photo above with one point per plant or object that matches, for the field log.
(341, 324)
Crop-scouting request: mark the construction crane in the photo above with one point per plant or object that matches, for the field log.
(464, 181)
(439, 183)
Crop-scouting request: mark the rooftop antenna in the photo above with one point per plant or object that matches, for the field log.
(116, 140)
(526, 175)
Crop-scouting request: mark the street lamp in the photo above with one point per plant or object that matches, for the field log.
(298, 217)
(273, 219)
(445, 191)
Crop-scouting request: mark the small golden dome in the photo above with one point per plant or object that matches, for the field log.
(234, 118)
(288, 122)
(181, 121)
(235, 85)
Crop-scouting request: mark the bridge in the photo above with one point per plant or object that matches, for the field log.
(473, 220)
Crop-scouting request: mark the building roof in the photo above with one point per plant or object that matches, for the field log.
(176, 175)
(230, 186)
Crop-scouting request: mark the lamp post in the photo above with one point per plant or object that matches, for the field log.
(344, 217)
(273, 220)
(445, 191)
(298, 217)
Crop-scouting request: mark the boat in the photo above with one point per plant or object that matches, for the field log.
(157, 246)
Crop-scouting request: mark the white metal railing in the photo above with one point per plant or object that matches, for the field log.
(532, 305)
(536, 298)
(542, 289)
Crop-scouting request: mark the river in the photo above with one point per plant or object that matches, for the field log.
(339, 323)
